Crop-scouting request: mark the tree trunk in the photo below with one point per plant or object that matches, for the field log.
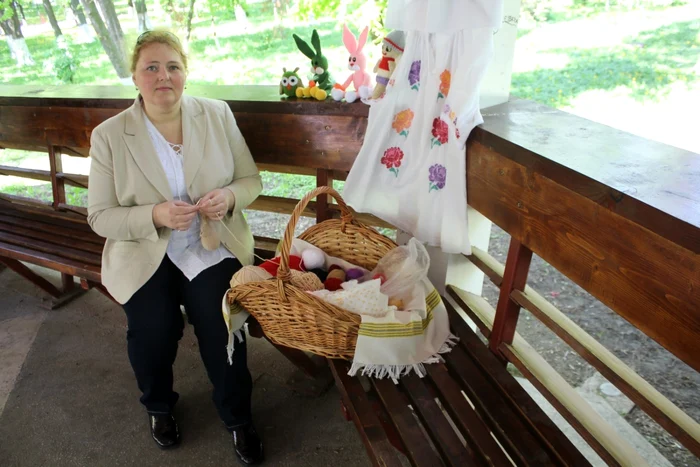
(15, 39)
(16, 25)
(190, 14)
(111, 46)
(78, 12)
(52, 18)
(142, 15)
(112, 20)
(85, 34)
(7, 30)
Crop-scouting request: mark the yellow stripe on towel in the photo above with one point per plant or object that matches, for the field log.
(414, 328)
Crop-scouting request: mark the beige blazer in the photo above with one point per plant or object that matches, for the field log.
(127, 180)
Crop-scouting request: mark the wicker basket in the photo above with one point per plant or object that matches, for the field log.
(294, 318)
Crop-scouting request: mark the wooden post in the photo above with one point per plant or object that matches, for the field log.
(57, 184)
(507, 310)
(323, 178)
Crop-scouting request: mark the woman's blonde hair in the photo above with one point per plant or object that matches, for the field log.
(157, 37)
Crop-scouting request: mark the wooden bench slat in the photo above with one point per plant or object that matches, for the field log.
(57, 263)
(379, 449)
(47, 215)
(417, 446)
(453, 451)
(75, 235)
(522, 445)
(528, 420)
(55, 237)
(45, 247)
(465, 417)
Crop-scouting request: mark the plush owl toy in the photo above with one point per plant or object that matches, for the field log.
(290, 82)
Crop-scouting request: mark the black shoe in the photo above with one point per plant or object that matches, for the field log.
(164, 430)
(247, 444)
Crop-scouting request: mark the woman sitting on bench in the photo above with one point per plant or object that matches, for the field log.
(158, 169)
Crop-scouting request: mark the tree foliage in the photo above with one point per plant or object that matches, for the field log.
(356, 13)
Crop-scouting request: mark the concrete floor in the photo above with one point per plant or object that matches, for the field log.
(68, 396)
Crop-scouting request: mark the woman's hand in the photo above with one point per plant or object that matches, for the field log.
(176, 215)
(216, 203)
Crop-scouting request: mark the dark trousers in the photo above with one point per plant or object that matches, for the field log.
(155, 327)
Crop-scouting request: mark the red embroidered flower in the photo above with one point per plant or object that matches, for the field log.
(440, 132)
(392, 159)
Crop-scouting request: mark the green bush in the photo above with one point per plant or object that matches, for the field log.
(65, 65)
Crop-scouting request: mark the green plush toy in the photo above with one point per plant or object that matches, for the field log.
(290, 82)
(319, 63)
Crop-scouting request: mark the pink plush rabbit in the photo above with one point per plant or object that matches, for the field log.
(356, 63)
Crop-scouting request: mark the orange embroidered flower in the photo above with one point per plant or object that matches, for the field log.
(445, 78)
(402, 122)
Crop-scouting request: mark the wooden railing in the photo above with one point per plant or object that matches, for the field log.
(617, 214)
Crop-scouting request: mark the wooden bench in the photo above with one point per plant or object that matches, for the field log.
(574, 212)
(56, 241)
(448, 417)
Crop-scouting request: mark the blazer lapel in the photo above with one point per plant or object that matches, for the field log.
(194, 131)
(138, 140)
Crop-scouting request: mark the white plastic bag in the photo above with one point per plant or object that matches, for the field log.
(404, 268)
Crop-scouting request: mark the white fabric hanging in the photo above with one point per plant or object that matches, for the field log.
(411, 170)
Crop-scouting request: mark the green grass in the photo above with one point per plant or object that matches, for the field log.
(74, 196)
(646, 65)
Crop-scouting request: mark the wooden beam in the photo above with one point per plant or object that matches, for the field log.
(488, 265)
(297, 170)
(57, 263)
(25, 201)
(45, 175)
(31, 276)
(378, 446)
(33, 174)
(663, 411)
(75, 152)
(281, 205)
(81, 181)
(667, 414)
(323, 178)
(647, 279)
(587, 422)
(469, 304)
(507, 311)
(57, 184)
(76, 209)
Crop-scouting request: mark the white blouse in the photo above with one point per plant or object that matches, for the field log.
(185, 249)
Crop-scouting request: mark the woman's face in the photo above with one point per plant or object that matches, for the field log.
(160, 75)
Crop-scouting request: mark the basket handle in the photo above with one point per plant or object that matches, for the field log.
(346, 216)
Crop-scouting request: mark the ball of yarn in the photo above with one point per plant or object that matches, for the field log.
(332, 284)
(381, 277)
(306, 281)
(249, 274)
(313, 258)
(354, 273)
(335, 278)
(336, 274)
